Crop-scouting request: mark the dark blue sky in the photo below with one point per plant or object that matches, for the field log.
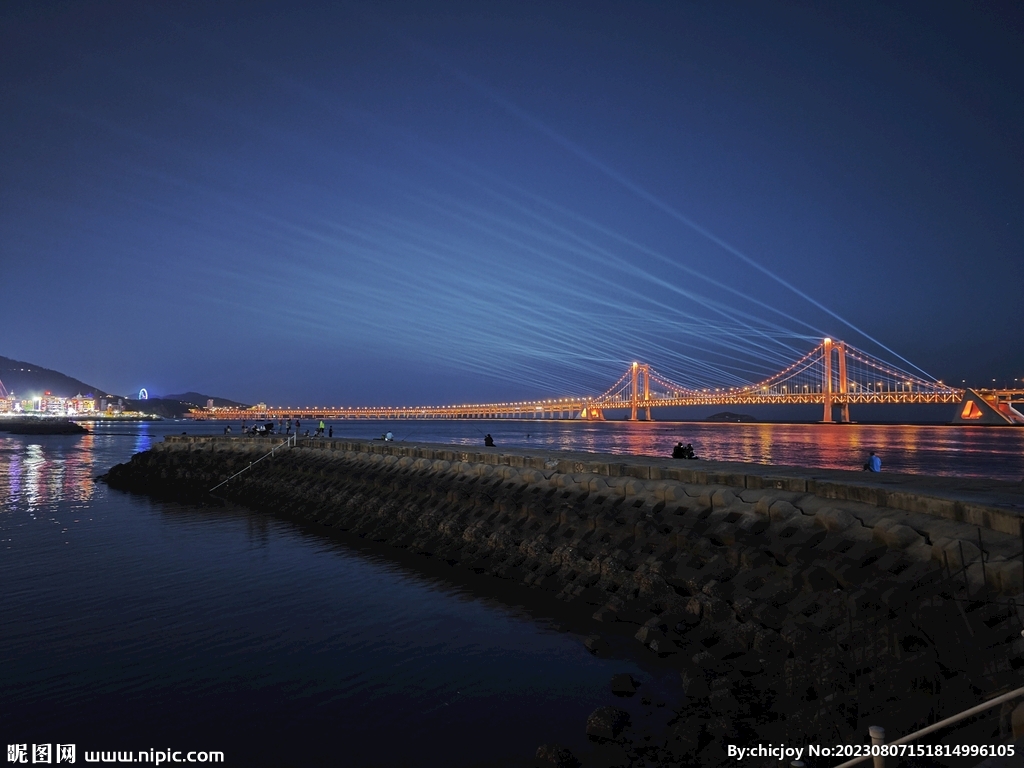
(412, 203)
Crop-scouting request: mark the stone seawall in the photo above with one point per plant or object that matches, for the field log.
(815, 595)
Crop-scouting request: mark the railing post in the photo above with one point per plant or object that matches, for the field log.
(877, 734)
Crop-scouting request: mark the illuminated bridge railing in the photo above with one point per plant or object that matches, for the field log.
(833, 374)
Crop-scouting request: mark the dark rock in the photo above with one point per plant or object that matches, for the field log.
(656, 623)
(722, 700)
(646, 634)
(694, 684)
(663, 646)
(623, 685)
(609, 756)
(607, 723)
(684, 739)
(595, 644)
(555, 756)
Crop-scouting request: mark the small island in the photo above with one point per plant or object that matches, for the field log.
(729, 416)
(42, 426)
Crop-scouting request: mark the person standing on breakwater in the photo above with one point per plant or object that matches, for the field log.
(330, 432)
(488, 441)
(874, 463)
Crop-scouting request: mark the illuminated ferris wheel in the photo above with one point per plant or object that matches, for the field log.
(143, 394)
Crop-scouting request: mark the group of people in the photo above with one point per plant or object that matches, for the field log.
(268, 429)
(683, 451)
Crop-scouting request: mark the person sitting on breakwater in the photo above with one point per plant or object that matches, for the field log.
(874, 463)
(679, 452)
(488, 441)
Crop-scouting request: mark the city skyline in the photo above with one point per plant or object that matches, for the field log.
(376, 205)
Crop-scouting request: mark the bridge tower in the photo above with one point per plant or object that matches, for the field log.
(635, 372)
(828, 385)
(844, 410)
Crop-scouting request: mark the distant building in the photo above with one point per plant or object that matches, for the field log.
(81, 404)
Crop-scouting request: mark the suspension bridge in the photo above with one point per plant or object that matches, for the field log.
(834, 375)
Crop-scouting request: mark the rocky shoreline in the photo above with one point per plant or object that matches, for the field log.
(794, 613)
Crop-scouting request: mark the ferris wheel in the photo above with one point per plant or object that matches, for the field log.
(143, 394)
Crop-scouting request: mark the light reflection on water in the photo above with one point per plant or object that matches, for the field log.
(131, 623)
(960, 451)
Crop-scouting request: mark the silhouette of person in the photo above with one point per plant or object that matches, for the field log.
(678, 452)
(488, 441)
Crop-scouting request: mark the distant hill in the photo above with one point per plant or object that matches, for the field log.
(730, 417)
(200, 400)
(24, 379)
(161, 406)
(178, 406)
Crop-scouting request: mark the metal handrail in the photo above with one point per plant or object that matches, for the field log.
(937, 726)
(292, 441)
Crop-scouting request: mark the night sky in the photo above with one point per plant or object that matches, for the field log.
(407, 203)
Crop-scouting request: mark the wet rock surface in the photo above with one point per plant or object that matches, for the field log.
(789, 617)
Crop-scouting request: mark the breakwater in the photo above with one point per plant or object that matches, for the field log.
(793, 604)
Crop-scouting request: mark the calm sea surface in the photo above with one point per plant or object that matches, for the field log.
(996, 452)
(132, 624)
